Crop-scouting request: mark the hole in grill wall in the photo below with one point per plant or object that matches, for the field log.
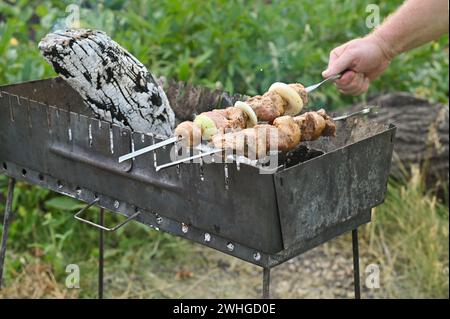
(5, 166)
(24, 172)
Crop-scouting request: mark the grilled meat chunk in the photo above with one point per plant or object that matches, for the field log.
(289, 133)
(268, 106)
(189, 132)
(286, 132)
(330, 126)
(300, 89)
(227, 119)
(252, 142)
(271, 105)
(315, 124)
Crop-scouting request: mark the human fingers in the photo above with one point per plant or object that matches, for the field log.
(346, 79)
(340, 60)
(363, 88)
(355, 86)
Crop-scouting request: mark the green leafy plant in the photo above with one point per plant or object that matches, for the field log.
(409, 239)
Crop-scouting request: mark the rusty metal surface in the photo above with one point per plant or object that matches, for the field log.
(54, 91)
(262, 217)
(77, 150)
(326, 191)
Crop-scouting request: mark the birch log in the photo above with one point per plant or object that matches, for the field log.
(113, 83)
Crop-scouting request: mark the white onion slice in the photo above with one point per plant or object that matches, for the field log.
(207, 126)
(295, 102)
(247, 109)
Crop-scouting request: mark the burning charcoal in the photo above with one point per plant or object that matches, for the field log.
(113, 83)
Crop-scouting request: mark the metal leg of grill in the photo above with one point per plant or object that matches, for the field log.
(356, 263)
(6, 222)
(266, 283)
(100, 254)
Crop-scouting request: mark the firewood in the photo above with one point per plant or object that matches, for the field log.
(422, 138)
(112, 82)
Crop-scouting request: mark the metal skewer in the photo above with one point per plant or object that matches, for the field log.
(149, 148)
(317, 85)
(365, 110)
(176, 139)
(187, 159)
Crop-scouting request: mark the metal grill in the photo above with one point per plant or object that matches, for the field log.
(321, 190)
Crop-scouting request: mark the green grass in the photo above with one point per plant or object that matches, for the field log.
(44, 231)
(240, 46)
(409, 239)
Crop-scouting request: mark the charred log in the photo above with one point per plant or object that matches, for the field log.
(113, 83)
(422, 137)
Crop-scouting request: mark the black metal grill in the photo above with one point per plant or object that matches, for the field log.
(321, 190)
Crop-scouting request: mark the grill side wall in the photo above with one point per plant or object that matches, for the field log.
(325, 194)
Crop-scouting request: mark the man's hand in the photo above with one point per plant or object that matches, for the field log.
(415, 23)
(362, 59)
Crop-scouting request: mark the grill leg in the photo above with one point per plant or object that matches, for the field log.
(6, 222)
(100, 254)
(266, 283)
(356, 263)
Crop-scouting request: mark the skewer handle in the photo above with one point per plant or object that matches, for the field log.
(317, 85)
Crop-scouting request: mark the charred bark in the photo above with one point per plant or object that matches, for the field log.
(113, 83)
(422, 137)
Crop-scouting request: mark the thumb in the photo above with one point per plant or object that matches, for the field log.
(342, 63)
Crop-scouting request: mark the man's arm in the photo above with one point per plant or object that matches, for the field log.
(415, 23)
